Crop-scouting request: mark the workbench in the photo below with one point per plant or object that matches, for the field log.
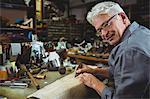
(14, 93)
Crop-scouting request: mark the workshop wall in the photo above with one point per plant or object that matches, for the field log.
(12, 14)
(80, 13)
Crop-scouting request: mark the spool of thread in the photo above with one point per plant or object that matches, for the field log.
(3, 73)
(62, 70)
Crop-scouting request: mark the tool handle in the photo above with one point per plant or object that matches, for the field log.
(31, 77)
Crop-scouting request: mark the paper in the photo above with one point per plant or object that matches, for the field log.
(1, 52)
(16, 48)
(67, 87)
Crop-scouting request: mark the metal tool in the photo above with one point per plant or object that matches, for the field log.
(14, 85)
(79, 66)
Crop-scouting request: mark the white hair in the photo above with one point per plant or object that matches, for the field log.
(109, 7)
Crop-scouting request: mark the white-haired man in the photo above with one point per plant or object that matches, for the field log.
(129, 60)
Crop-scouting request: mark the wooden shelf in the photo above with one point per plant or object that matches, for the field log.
(15, 34)
(14, 29)
(69, 31)
(13, 6)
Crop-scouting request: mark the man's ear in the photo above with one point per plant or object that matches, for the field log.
(123, 16)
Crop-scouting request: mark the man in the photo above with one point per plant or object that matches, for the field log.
(129, 60)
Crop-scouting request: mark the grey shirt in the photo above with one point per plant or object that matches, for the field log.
(130, 65)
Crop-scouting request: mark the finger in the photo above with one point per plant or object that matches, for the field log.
(79, 66)
(80, 77)
(82, 70)
(86, 74)
(78, 71)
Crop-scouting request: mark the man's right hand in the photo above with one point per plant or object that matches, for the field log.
(82, 68)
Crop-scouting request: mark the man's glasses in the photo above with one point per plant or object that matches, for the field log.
(104, 25)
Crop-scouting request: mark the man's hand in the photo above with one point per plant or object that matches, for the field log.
(82, 68)
(92, 82)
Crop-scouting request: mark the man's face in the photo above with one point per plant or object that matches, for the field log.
(110, 28)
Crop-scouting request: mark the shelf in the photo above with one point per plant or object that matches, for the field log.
(14, 29)
(69, 31)
(13, 6)
(16, 34)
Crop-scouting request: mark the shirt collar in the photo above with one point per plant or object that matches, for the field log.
(129, 30)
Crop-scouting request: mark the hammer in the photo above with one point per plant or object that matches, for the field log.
(23, 67)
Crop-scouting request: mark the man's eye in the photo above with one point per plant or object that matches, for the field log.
(104, 25)
(99, 30)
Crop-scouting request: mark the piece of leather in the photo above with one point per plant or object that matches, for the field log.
(67, 87)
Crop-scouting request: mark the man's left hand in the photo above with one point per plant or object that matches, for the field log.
(92, 82)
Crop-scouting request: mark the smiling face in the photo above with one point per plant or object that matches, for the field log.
(111, 28)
